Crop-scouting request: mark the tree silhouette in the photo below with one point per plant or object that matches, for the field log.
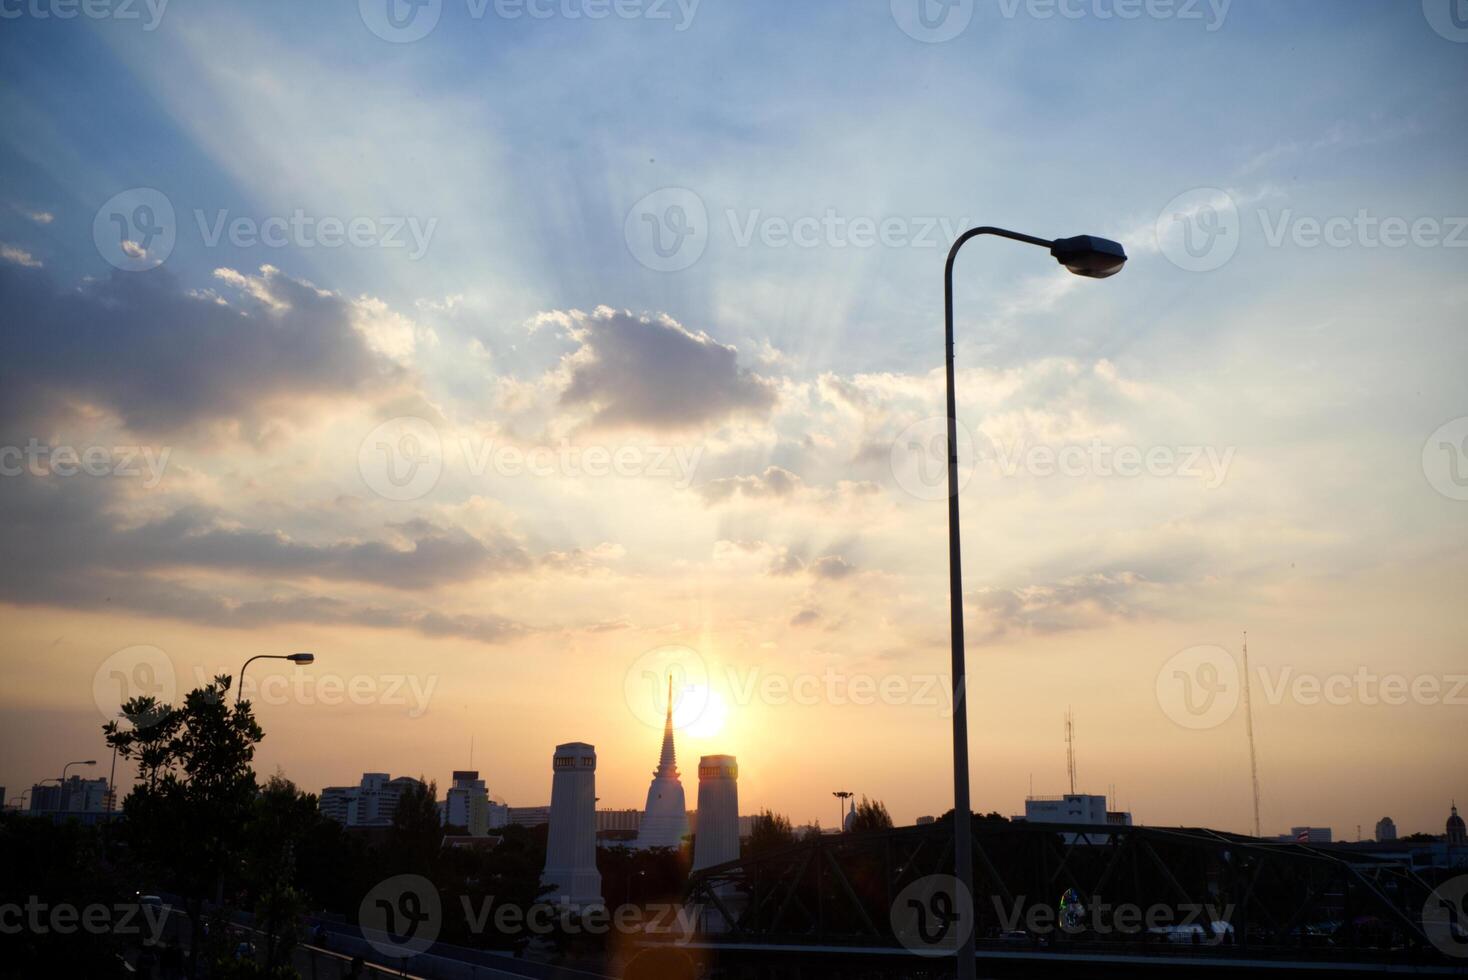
(186, 820)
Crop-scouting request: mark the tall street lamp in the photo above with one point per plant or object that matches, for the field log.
(300, 659)
(1084, 255)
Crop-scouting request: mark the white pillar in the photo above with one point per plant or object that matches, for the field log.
(717, 840)
(570, 855)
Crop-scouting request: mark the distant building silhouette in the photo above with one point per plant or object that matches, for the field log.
(1079, 808)
(1307, 835)
(1386, 829)
(1455, 831)
(371, 803)
(530, 816)
(76, 795)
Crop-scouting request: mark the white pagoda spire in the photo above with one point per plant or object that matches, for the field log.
(665, 820)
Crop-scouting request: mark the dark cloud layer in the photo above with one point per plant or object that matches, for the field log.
(67, 545)
(655, 374)
(164, 360)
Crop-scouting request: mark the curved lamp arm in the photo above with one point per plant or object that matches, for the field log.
(297, 658)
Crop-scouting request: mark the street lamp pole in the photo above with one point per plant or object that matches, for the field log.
(300, 659)
(1083, 255)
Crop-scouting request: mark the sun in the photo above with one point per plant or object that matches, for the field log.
(700, 711)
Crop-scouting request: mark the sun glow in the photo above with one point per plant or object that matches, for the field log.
(700, 712)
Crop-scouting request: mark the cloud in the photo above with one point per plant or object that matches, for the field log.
(653, 373)
(1078, 602)
(18, 256)
(805, 617)
(775, 481)
(778, 483)
(163, 360)
(831, 567)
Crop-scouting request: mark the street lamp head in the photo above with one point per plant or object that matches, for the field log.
(88, 762)
(302, 659)
(1089, 256)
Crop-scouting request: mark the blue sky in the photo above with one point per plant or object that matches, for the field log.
(523, 151)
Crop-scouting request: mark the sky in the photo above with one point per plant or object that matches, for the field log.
(513, 356)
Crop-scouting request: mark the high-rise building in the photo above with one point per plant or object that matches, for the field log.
(1386, 829)
(570, 852)
(467, 804)
(665, 819)
(718, 812)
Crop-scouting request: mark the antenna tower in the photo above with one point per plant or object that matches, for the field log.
(1249, 726)
(1070, 749)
